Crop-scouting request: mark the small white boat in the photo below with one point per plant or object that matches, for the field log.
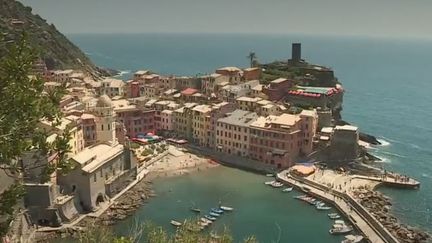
(319, 204)
(176, 223)
(339, 221)
(213, 214)
(269, 182)
(209, 217)
(334, 216)
(323, 207)
(214, 235)
(270, 175)
(204, 220)
(203, 224)
(277, 184)
(224, 208)
(288, 189)
(341, 230)
(352, 239)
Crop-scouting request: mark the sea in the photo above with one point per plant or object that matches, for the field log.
(388, 94)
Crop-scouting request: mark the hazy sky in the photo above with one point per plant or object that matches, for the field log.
(395, 18)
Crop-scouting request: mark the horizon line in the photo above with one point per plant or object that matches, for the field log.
(359, 36)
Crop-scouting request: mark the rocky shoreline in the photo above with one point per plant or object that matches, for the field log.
(379, 205)
(126, 206)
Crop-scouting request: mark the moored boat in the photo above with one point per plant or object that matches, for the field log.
(352, 239)
(269, 182)
(203, 224)
(320, 204)
(277, 184)
(341, 230)
(214, 235)
(175, 223)
(214, 214)
(334, 216)
(209, 217)
(323, 207)
(196, 210)
(224, 208)
(339, 221)
(270, 175)
(288, 189)
(204, 220)
(216, 210)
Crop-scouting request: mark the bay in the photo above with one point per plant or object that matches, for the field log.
(388, 85)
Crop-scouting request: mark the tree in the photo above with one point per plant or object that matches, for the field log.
(151, 233)
(252, 59)
(23, 104)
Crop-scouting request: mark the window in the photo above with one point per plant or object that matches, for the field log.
(102, 127)
(94, 177)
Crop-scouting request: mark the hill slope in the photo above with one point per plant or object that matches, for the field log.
(54, 48)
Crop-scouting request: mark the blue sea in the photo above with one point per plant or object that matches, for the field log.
(388, 83)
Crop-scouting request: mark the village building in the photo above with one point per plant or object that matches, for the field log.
(280, 140)
(253, 73)
(112, 87)
(210, 83)
(233, 132)
(233, 74)
(277, 88)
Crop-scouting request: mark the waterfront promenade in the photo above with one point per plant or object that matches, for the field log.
(365, 223)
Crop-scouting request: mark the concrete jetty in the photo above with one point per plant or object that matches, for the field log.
(392, 181)
(370, 227)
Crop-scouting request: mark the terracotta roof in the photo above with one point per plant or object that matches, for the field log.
(189, 91)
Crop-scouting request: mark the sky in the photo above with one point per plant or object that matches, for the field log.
(381, 18)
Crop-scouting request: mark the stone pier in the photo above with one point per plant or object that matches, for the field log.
(373, 230)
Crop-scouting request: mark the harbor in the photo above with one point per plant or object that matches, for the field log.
(260, 210)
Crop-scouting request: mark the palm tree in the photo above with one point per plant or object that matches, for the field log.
(252, 58)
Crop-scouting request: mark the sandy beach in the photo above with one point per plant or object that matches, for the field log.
(179, 162)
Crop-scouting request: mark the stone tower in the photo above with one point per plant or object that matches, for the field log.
(105, 120)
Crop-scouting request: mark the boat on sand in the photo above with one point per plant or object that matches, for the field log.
(175, 223)
(209, 217)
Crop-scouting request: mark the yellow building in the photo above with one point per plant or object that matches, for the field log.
(201, 125)
(73, 123)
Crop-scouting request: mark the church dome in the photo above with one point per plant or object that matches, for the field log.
(104, 101)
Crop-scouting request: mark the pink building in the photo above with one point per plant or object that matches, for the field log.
(133, 89)
(277, 88)
(251, 73)
(89, 129)
(136, 121)
(280, 140)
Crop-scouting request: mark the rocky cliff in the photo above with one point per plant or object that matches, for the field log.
(54, 48)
